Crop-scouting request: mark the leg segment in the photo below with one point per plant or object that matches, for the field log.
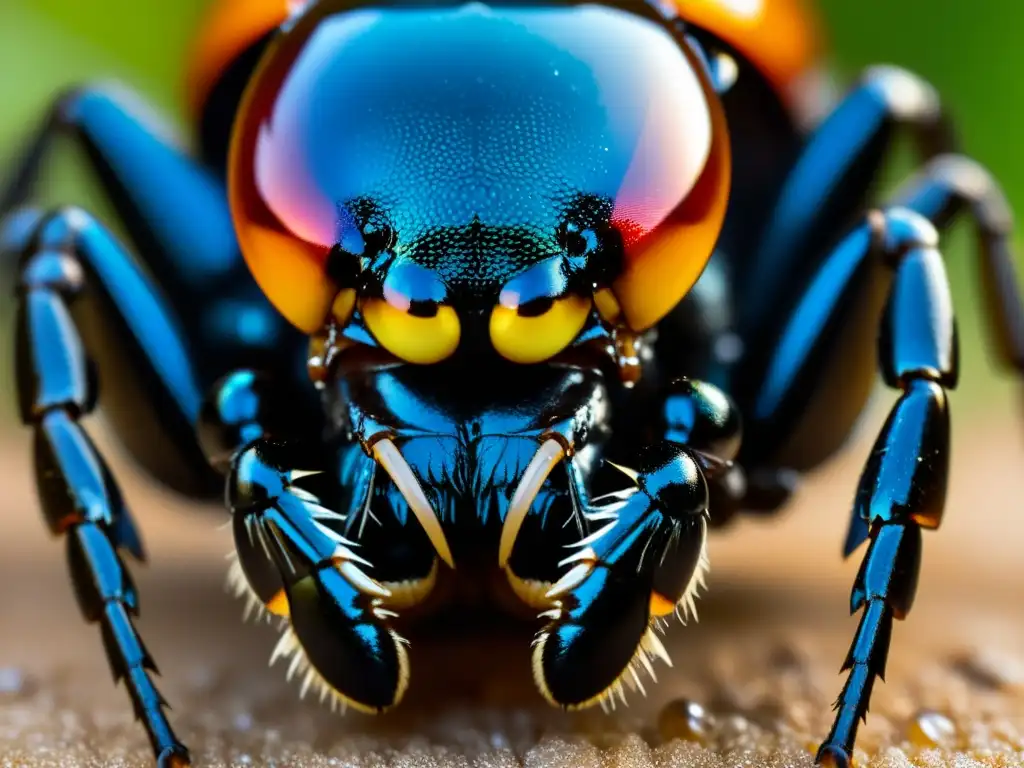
(903, 488)
(949, 186)
(56, 388)
(891, 268)
(642, 553)
(152, 392)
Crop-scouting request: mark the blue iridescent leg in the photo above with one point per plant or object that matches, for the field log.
(831, 182)
(952, 186)
(889, 267)
(903, 487)
(175, 210)
(641, 556)
(64, 259)
(299, 514)
(176, 214)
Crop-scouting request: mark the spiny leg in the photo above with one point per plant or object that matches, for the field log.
(302, 560)
(904, 484)
(903, 488)
(642, 554)
(66, 254)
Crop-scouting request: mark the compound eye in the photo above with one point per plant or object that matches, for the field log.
(410, 319)
(535, 319)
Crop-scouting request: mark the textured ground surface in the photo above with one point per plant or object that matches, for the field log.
(762, 661)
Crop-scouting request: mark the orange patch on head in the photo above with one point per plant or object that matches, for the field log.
(276, 208)
(781, 38)
(229, 28)
(663, 265)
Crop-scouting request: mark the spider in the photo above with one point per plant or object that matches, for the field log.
(521, 296)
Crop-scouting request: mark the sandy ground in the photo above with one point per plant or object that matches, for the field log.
(763, 661)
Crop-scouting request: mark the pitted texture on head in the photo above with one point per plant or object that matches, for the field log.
(478, 257)
(474, 127)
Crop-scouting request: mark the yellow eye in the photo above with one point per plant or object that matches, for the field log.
(412, 338)
(524, 337)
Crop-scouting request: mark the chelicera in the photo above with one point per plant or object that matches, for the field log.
(531, 294)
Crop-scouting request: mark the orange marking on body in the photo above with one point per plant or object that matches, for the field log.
(661, 606)
(230, 27)
(278, 604)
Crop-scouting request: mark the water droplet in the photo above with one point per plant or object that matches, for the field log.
(931, 729)
(990, 669)
(684, 719)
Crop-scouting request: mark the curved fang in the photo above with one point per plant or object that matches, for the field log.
(548, 455)
(389, 457)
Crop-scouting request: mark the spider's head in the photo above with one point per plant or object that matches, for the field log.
(471, 179)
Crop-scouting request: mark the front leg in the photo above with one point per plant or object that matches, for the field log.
(642, 555)
(299, 557)
(301, 568)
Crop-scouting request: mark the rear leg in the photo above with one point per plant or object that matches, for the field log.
(836, 174)
(831, 183)
(67, 255)
(176, 213)
(824, 193)
(828, 339)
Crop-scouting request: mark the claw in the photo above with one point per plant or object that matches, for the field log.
(584, 555)
(339, 646)
(389, 457)
(298, 474)
(548, 455)
(572, 579)
(303, 494)
(599, 533)
(361, 581)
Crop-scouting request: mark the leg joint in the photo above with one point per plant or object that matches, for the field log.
(898, 231)
(890, 570)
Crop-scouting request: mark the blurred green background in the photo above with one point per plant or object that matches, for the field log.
(970, 50)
